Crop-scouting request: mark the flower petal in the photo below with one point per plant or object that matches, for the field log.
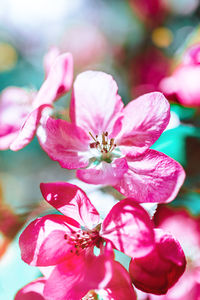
(58, 81)
(64, 142)
(104, 173)
(96, 107)
(28, 129)
(32, 291)
(71, 201)
(159, 270)
(49, 59)
(6, 140)
(129, 228)
(120, 286)
(74, 278)
(15, 105)
(152, 177)
(43, 241)
(144, 120)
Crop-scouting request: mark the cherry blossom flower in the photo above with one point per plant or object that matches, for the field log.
(186, 228)
(52, 239)
(109, 144)
(21, 110)
(161, 268)
(184, 82)
(67, 242)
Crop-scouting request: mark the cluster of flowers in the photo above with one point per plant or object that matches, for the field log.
(107, 144)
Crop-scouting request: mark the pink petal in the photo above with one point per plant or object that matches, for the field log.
(144, 120)
(71, 201)
(192, 55)
(152, 177)
(96, 107)
(28, 129)
(74, 278)
(158, 271)
(32, 291)
(65, 143)
(58, 81)
(49, 59)
(15, 105)
(129, 228)
(104, 173)
(6, 140)
(120, 286)
(173, 220)
(43, 242)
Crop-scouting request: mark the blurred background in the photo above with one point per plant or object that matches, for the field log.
(139, 42)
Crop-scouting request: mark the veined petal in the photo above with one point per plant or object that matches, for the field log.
(43, 242)
(32, 291)
(71, 201)
(159, 270)
(152, 177)
(104, 173)
(58, 81)
(6, 140)
(144, 120)
(129, 228)
(64, 142)
(49, 59)
(28, 129)
(96, 106)
(74, 278)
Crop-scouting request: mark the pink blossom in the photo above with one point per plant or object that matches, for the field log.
(52, 239)
(109, 144)
(186, 228)
(22, 110)
(67, 242)
(184, 82)
(160, 269)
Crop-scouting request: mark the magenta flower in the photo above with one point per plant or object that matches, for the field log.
(109, 144)
(161, 268)
(67, 241)
(184, 82)
(52, 239)
(21, 110)
(186, 228)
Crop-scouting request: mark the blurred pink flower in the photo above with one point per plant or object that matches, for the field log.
(147, 69)
(160, 269)
(184, 82)
(21, 110)
(109, 144)
(186, 228)
(151, 12)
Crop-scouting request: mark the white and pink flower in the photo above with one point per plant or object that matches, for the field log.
(109, 144)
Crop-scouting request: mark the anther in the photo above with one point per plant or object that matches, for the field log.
(65, 236)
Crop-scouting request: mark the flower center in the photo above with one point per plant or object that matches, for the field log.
(104, 145)
(82, 239)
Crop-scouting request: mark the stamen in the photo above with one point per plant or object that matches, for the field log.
(81, 240)
(105, 146)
